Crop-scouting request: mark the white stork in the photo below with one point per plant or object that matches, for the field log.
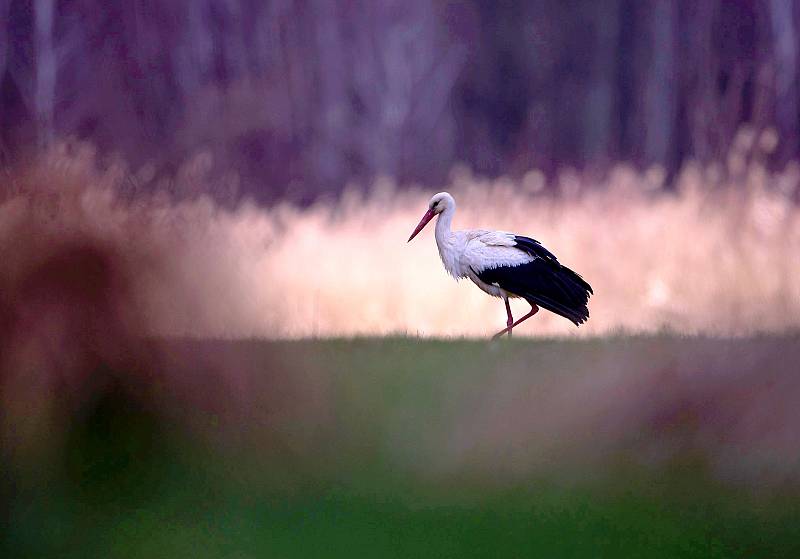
(506, 265)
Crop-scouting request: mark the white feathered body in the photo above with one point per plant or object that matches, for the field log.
(468, 253)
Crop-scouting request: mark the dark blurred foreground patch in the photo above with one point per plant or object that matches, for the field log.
(346, 448)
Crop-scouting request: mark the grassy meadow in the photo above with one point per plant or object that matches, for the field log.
(627, 446)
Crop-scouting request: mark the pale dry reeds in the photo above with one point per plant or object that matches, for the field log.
(718, 254)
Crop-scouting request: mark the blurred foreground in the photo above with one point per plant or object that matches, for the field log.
(623, 447)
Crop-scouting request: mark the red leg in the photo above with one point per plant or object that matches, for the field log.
(534, 310)
(510, 322)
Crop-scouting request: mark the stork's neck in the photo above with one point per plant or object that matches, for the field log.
(443, 224)
(446, 242)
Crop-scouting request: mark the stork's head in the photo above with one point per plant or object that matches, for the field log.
(438, 203)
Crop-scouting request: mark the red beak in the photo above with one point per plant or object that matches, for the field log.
(422, 223)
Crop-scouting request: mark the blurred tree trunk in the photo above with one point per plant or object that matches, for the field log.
(659, 95)
(785, 63)
(232, 63)
(5, 8)
(194, 55)
(599, 143)
(702, 68)
(331, 107)
(46, 71)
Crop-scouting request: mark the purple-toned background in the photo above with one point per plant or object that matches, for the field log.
(296, 98)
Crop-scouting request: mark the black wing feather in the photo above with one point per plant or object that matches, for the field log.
(544, 281)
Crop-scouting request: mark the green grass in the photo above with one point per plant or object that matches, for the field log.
(346, 449)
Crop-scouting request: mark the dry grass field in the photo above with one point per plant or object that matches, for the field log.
(716, 255)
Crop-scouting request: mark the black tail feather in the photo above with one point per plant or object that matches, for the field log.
(562, 291)
(546, 283)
